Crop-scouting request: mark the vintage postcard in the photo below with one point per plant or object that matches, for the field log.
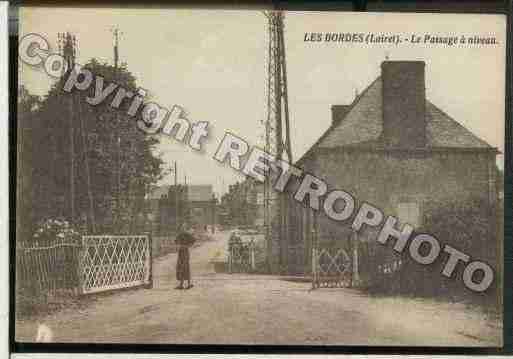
(259, 177)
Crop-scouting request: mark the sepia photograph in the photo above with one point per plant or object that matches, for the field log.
(259, 177)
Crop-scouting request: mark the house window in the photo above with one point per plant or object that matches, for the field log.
(409, 212)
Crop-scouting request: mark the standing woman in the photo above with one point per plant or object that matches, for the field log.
(183, 269)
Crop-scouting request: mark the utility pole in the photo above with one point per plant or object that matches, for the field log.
(117, 34)
(185, 207)
(118, 174)
(85, 149)
(177, 228)
(117, 138)
(67, 44)
(72, 161)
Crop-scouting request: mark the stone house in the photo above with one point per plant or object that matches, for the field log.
(395, 149)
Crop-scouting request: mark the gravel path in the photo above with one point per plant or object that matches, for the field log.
(259, 309)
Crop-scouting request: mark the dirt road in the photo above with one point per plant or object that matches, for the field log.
(259, 309)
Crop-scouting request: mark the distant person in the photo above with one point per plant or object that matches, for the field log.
(183, 270)
(234, 239)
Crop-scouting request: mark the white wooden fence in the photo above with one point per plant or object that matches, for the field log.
(113, 262)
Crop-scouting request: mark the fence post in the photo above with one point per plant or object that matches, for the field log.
(230, 258)
(149, 261)
(252, 253)
(357, 266)
(351, 259)
(314, 266)
(78, 253)
(315, 259)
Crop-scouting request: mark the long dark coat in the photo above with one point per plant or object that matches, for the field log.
(183, 269)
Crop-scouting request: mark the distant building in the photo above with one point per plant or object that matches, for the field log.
(169, 206)
(162, 210)
(202, 205)
(153, 198)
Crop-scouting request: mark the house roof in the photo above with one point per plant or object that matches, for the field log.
(338, 112)
(361, 125)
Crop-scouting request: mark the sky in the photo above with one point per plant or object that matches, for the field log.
(213, 63)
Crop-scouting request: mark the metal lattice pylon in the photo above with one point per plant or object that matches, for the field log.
(277, 136)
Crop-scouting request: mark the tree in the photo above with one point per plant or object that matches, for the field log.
(113, 162)
(28, 105)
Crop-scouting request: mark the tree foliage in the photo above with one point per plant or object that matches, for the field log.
(113, 162)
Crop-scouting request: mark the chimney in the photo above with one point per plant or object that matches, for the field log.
(404, 104)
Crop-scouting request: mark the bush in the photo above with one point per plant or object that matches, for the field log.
(469, 226)
(53, 231)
